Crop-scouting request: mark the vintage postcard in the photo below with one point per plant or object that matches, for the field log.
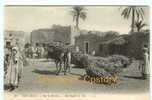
(76, 52)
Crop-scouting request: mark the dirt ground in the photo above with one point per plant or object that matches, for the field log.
(39, 76)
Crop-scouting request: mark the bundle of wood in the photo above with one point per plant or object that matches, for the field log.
(99, 66)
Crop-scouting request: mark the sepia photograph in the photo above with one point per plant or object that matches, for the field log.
(76, 49)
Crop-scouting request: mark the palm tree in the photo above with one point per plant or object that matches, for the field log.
(139, 25)
(78, 12)
(133, 12)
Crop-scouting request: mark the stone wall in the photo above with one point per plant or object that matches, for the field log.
(55, 34)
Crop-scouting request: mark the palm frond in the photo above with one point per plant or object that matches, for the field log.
(140, 24)
(137, 14)
(83, 15)
(126, 13)
(143, 25)
(72, 12)
(141, 13)
(78, 12)
(78, 8)
(141, 9)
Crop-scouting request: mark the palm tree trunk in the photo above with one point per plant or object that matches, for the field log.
(133, 20)
(138, 29)
(77, 22)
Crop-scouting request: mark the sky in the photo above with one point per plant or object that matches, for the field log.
(99, 18)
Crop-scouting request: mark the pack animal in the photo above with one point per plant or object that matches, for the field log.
(60, 57)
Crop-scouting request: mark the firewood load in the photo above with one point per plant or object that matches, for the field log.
(112, 65)
(100, 66)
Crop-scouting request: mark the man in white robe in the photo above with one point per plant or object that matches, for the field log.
(14, 67)
(145, 68)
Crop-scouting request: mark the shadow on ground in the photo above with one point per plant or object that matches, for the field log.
(44, 72)
(134, 77)
(77, 67)
(75, 74)
(46, 60)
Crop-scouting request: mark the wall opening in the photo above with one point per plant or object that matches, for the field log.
(86, 47)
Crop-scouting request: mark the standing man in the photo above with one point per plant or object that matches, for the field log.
(12, 71)
(93, 52)
(145, 66)
(7, 59)
(14, 68)
(67, 57)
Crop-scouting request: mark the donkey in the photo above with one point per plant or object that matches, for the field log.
(59, 57)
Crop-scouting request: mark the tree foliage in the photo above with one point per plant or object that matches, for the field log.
(78, 12)
(133, 12)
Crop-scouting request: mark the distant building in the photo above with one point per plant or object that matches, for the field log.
(91, 41)
(88, 42)
(42, 36)
(62, 33)
(116, 45)
(129, 45)
(55, 34)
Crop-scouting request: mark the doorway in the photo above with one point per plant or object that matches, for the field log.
(86, 46)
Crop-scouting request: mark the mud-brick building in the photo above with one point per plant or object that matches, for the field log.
(116, 45)
(92, 41)
(88, 42)
(55, 34)
(129, 45)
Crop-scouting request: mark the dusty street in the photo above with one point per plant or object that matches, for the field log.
(39, 76)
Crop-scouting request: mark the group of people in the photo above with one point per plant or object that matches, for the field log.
(13, 66)
(35, 51)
